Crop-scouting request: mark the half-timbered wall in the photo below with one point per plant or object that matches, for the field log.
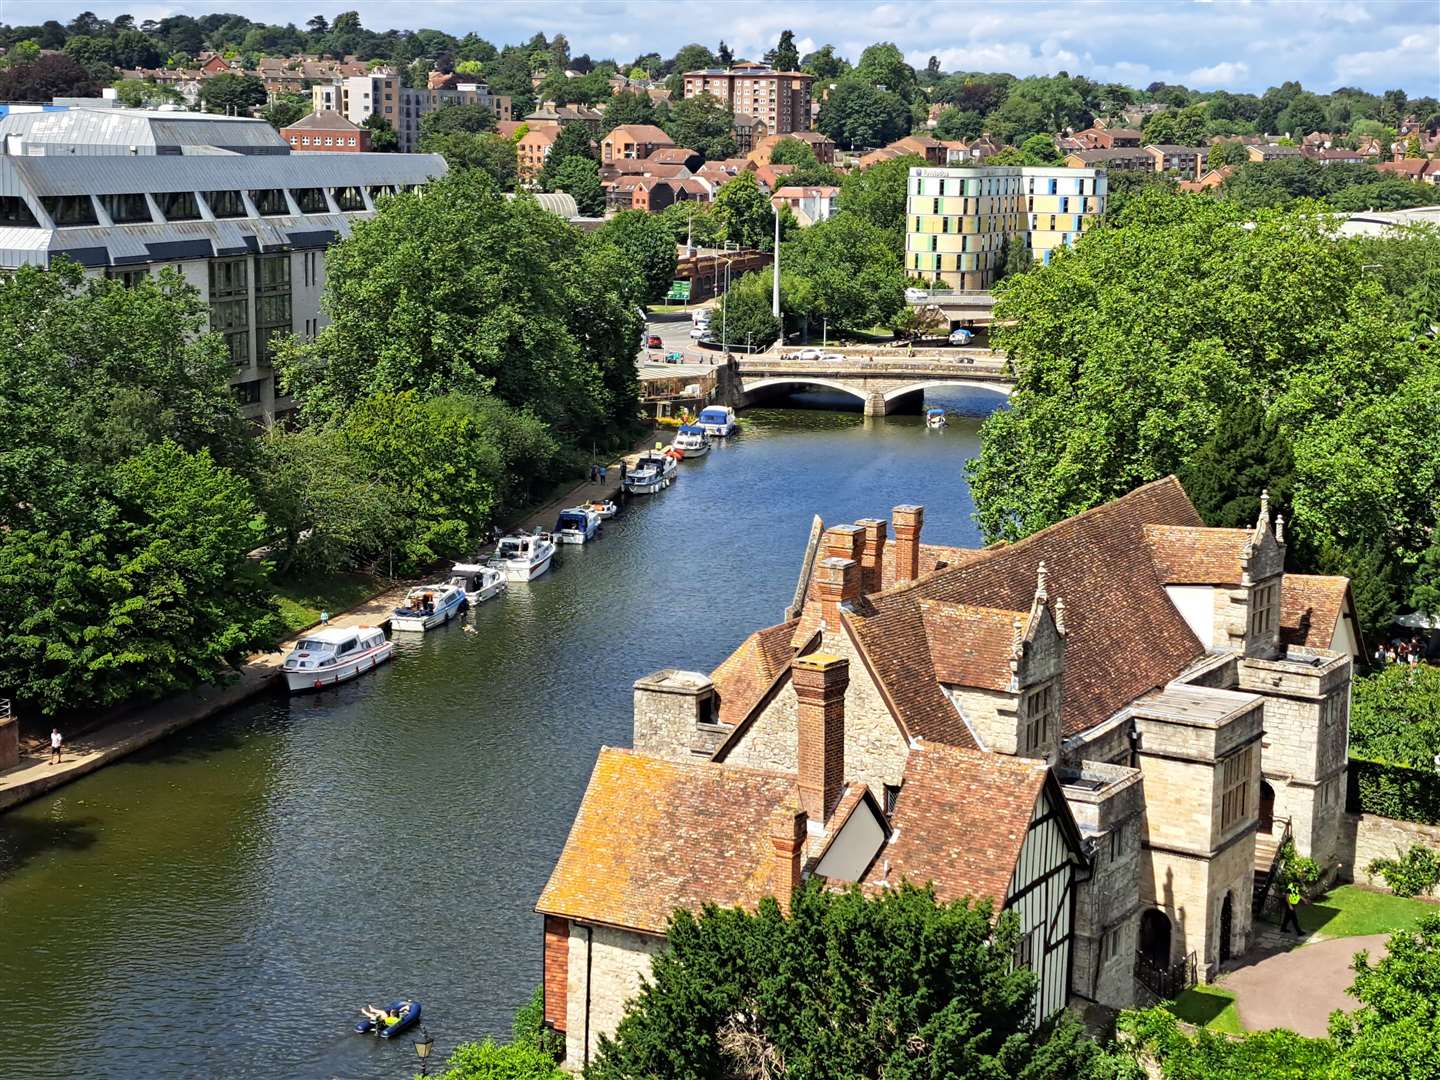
(1042, 895)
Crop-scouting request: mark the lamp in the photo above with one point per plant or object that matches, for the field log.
(423, 1046)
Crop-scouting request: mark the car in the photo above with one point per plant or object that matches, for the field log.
(831, 357)
(961, 336)
(915, 296)
(808, 354)
(699, 331)
(654, 342)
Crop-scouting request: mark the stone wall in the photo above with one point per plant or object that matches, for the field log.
(1179, 801)
(1365, 837)
(992, 716)
(671, 709)
(1191, 892)
(615, 961)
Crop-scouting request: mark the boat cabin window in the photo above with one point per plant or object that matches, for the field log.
(347, 646)
(315, 645)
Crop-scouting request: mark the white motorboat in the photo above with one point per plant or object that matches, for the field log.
(479, 582)
(577, 525)
(523, 557)
(653, 471)
(427, 606)
(717, 420)
(335, 654)
(692, 441)
(605, 508)
(935, 418)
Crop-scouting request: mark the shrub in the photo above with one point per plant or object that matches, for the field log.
(1410, 874)
(1393, 791)
(1301, 869)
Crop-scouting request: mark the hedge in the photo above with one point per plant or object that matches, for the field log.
(1393, 791)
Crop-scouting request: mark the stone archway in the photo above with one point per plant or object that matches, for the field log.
(1227, 927)
(1267, 808)
(1155, 937)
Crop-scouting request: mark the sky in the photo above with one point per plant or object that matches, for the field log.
(1238, 45)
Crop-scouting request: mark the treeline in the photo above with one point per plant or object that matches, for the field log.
(480, 348)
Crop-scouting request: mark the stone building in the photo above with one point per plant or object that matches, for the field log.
(1157, 692)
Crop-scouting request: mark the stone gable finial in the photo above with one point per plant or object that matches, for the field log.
(1060, 615)
(1280, 528)
(1264, 518)
(1040, 593)
(1017, 643)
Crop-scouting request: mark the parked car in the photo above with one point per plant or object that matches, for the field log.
(699, 331)
(915, 296)
(831, 357)
(654, 342)
(961, 336)
(808, 354)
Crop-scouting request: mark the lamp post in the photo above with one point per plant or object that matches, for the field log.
(423, 1046)
(775, 289)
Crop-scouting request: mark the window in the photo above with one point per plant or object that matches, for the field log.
(69, 209)
(1109, 945)
(1037, 720)
(1262, 608)
(892, 792)
(178, 205)
(1235, 786)
(15, 212)
(270, 201)
(272, 303)
(349, 199)
(311, 200)
(250, 393)
(1117, 842)
(128, 278)
(229, 277)
(225, 204)
(126, 209)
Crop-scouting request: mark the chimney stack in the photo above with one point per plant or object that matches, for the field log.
(843, 542)
(838, 582)
(872, 557)
(820, 680)
(908, 521)
(787, 835)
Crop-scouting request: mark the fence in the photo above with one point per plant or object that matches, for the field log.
(1166, 983)
(1393, 791)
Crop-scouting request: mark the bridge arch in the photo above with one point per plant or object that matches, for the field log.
(751, 387)
(968, 384)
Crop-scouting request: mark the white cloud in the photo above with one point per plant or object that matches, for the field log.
(1225, 73)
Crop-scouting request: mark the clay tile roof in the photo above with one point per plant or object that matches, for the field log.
(1124, 636)
(671, 155)
(325, 120)
(642, 133)
(970, 646)
(652, 835)
(1310, 608)
(1190, 556)
(960, 820)
(747, 673)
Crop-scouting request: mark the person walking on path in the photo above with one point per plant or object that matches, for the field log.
(1292, 906)
(55, 743)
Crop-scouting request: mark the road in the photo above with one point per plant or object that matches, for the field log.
(675, 337)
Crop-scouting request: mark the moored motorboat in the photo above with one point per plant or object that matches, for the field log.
(576, 525)
(335, 654)
(692, 440)
(523, 557)
(408, 1013)
(479, 582)
(935, 418)
(717, 420)
(427, 606)
(653, 471)
(605, 508)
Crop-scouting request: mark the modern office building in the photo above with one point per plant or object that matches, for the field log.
(961, 223)
(359, 97)
(220, 199)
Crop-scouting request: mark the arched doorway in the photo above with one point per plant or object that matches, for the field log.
(1267, 807)
(1227, 923)
(1155, 937)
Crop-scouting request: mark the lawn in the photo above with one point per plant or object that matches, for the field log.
(1351, 911)
(302, 599)
(1208, 1007)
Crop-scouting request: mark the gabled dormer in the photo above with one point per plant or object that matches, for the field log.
(1262, 571)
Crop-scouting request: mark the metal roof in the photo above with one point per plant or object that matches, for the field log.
(113, 131)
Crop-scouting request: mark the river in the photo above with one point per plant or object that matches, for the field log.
(220, 905)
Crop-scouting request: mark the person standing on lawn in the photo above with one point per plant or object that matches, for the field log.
(1292, 906)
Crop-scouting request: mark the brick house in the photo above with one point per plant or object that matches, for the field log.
(749, 130)
(1271, 152)
(1419, 170)
(637, 141)
(1098, 138)
(328, 132)
(1188, 162)
(822, 147)
(808, 205)
(533, 148)
(1116, 160)
(1173, 694)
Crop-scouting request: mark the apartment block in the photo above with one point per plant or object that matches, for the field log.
(961, 223)
(359, 97)
(779, 98)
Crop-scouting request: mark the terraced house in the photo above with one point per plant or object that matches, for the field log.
(1089, 727)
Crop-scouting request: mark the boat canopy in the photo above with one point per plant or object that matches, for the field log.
(691, 429)
(934, 412)
(714, 414)
(572, 519)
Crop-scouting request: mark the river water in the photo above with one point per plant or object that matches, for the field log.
(220, 905)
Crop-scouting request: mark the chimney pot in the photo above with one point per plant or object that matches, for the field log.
(908, 521)
(820, 681)
(837, 582)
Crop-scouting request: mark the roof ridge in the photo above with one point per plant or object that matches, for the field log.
(704, 764)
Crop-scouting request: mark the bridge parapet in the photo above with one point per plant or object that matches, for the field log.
(881, 384)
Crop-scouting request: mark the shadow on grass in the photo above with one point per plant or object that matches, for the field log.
(1200, 1005)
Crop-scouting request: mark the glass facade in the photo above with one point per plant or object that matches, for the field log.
(273, 317)
(230, 306)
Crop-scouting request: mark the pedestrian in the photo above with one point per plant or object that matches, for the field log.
(324, 618)
(1292, 905)
(55, 743)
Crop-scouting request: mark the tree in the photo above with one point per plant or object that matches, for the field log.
(22, 52)
(140, 94)
(487, 1060)
(647, 245)
(857, 114)
(492, 154)
(1304, 114)
(49, 77)
(791, 151)
(784, 57)
(1266, 1055)
(1040, 150)
(959, 124)
(94, 54)
(284, 110)
(572, 142)
(737, 994)
(1246, 454)
(824, 64)
(883, 65)
(724, 55)
(744, 212)
(1226, 152)
(627, 107)
(878, 195)
(1039, 106)
(744, 316)
(474, 119)
(579, 177)
(691, 58)
(383, 139)
(704, 124)
(1396, 1030)
(233, 95)
(1395, 715)
(852, 274)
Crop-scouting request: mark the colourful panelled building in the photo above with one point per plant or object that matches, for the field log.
(960, 223)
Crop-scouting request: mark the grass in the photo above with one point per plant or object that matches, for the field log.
(1208, 1007)
(302, 599)
(1353, 911)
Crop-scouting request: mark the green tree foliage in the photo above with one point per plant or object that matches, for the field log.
(579, 177)
(493, 155)
(745, 213)
(94, 54)
(1247, 453)
(473, 119)
(738, 994)
(647, 244)
(877, 195)
(745, 315)
(383, 139)
(142, 94)
(824, 64)
(488, 1060)
(808, 169)
(1132, 346)
(233, 95)
(1040, 150)
(1414, 872)
(1259, 184)
(1040, 105)
(462, 290)
(627, 107)
(1266, 1055)
(283, 111)
(883, 65)
(694, 223)
(852, 274)
(47, 77)
(1396, 1030)
(704, 124)
(857, 114)
(1395, 715)
(1125, 187)
(956, 123)
(573, 142)
(1228, 152)
(692, 58)
(784, 57)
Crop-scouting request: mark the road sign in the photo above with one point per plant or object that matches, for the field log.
(679, 290)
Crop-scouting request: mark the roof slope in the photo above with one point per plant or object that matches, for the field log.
(745, 675)
(1189, 556)
(960, 820)
(971, 646)
(1310, 608)
(324, 120)
(652, 835)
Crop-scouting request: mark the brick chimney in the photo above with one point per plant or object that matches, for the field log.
(820, 680)
(908, 521)
(837, 582)
(787, 835)
(872, 556)
(843, 542)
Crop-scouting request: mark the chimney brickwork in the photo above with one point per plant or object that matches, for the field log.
(908, 521)
(838, 582)
(872, 556)
(787, 835)
(820, 680)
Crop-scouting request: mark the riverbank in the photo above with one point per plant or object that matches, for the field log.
(36, 774)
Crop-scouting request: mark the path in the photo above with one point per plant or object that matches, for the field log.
(1300, 987)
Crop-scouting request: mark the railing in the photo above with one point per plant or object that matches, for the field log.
(1262, 885)
(1166, 982)
(4, 708)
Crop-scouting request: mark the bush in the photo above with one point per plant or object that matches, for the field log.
(1393, 791)
(1395, 715)
(1415, 872)
(529, 1027)
(1301, 869)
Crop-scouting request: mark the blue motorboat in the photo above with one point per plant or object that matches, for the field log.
(408, 1013)
(935, 418)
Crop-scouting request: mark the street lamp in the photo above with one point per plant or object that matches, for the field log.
(423, 1046)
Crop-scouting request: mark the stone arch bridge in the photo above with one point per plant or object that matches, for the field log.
(882, 380)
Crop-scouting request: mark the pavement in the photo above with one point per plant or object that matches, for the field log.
(675, 336)
(1284, 985)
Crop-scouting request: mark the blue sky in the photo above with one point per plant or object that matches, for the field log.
(1241, 45)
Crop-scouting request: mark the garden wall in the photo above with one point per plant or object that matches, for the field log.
(1364, 837)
